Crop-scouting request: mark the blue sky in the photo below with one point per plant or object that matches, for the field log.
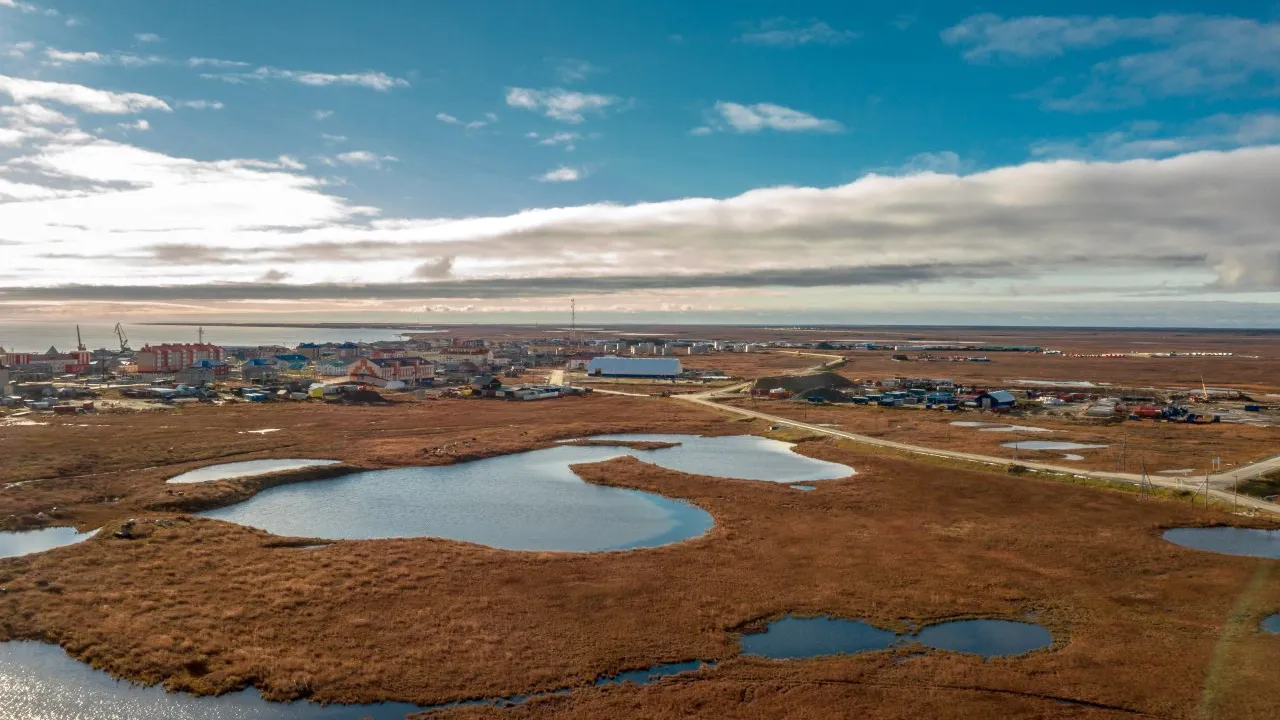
(941, 159)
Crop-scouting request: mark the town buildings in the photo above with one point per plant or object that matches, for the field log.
(204, 372)
(51, 362)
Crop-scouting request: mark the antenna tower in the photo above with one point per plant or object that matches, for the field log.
(573, 324)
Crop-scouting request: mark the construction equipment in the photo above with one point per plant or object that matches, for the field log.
(124, 339)
(79, 343)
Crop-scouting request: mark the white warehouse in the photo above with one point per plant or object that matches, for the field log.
(614, 366)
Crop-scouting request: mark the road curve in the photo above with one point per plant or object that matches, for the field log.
(707, 399)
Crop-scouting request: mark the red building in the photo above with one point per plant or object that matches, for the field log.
(175, 357)
(380, 371)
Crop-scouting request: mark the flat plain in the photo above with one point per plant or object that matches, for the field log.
(1142, 627)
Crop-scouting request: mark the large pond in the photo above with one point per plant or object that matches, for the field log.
(1049, 445)
(793, 637)
(41, 682)
(13, 544)
(248, 468)
(1271, 624)
(1228, 540)
(526, 501)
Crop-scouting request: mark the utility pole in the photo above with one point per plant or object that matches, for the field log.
(573, 324)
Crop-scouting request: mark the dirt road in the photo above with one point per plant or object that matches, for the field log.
(1216, 482)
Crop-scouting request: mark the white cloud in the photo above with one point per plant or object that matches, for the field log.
(322, 114)
(945, 162)
(142, 217)
(558, 103)
(364, 158)
(701, 130)
(60, 57)
(767, 116)
(567, 139)
(1188, 55)
(781, 32)
(1152, 139)
(147, 38)
(19, 50)
(139, 125)
(88, 99)
(371, 79)
(561, 174)
(26, 7)
(34, 114)
(200, 104)
(489, 119)
(196, 62)
(571, 70)
(334, 139)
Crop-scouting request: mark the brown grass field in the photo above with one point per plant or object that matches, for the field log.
(1142, 627)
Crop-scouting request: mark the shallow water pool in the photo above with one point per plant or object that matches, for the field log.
(794, 637)
(1050, 445)
(1228, 540)
(15, 544)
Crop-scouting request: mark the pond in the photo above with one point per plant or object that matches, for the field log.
(1271, 624)
(739, 457)
(247, 468)
(14, 544)
(525, 501)
(41, 682)
(1228, 540)
(1049, 445)
(998, 427)
(794, 637)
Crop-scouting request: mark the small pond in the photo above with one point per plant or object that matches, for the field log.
(1228, 540)
(247, 468)
(803, 488)
(1271, 624)
(740, 457)
(793, 637)
(40, 682)
(14, 544)
(1049, 445)
(998, 427)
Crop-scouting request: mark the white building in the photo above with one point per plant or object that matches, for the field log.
(614, 366)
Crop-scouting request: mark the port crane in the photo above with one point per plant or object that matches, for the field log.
(124, 339)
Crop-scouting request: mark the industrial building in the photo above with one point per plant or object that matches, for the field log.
(634, 367)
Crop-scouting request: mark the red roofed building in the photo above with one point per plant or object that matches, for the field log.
(380, 371)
